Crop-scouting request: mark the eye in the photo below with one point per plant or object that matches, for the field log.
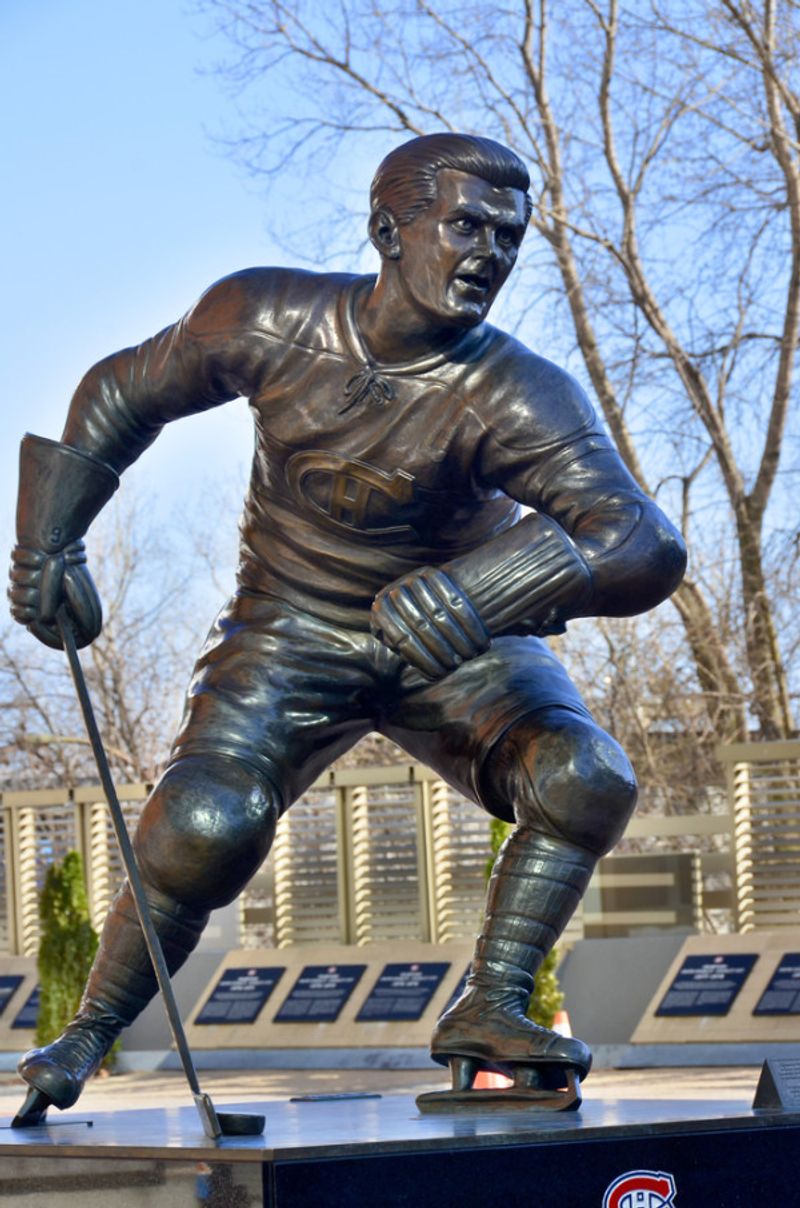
(507, 236)
(464, 225)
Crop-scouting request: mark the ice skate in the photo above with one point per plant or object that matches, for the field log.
(535, 885)
(58, 1072)
(120, 985)
(488, 1030)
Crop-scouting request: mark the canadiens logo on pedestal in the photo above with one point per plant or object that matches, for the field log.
(641, 1189)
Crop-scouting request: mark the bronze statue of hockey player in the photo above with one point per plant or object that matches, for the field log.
(388, 580)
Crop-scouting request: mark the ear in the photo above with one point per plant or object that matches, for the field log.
(385, 234)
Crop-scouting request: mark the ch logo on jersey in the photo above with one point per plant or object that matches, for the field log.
(350, 494)
(641, 1189)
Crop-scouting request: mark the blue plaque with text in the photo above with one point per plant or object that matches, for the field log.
(9, 984)
(319, 993)
(26, 1018)
(240, 994)
(707, 985)
(782, 995)
(403, 991)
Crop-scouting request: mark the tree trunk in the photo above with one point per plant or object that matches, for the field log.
(770, 694)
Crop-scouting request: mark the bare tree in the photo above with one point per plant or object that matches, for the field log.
(664, 142)
(157, 604)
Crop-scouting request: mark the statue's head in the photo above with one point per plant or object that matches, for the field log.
(405, 183)
(448, 215)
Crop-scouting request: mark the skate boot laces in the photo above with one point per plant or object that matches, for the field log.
(83, 1042)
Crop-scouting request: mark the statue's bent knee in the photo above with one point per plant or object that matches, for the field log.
(206, 829)
(565, 777)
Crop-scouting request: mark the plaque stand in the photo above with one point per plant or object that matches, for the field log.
(778, 1087)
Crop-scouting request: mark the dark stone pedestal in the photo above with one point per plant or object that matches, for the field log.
(381, 1151)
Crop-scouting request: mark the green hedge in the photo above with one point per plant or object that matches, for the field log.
(67, 945)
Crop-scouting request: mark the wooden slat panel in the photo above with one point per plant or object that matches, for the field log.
(306, 872)
(386, 895)
(46, 834)
(679, 825)
(766, 801)
(460, 854)
(327, 875)
(757, 752)
(107, 871)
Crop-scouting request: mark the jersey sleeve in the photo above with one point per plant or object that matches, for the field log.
(595, 543)
(212, 355)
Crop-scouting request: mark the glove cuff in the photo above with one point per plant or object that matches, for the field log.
(530, 579)
(61, 490)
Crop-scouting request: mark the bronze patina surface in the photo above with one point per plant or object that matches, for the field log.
(388, 580)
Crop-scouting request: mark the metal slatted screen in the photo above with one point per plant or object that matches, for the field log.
(766, 806)
(460, 849)
(106, 872)
(306, 863)
(257, 903)
(387, 891)
(382, 853)
(46, 834)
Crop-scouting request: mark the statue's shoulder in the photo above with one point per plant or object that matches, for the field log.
(528, 390)
(265, 297)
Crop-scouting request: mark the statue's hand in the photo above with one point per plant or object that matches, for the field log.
(41, 583)
(430, 622)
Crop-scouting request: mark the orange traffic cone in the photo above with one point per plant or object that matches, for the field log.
(486, 1081)
(561, 1024)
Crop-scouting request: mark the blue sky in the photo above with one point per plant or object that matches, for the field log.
(119, 207)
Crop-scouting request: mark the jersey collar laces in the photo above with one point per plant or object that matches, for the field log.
(372, 383)
(367, 385)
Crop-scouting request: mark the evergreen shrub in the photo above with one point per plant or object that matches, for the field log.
(67, 945)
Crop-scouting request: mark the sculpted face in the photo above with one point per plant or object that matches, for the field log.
(457, 254)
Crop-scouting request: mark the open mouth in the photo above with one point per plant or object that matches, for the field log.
(476, 281)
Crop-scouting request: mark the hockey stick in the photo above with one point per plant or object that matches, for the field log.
(215, 1124)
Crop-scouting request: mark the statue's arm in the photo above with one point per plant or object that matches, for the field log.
(595, 545)
(118, 409)
(209, 357)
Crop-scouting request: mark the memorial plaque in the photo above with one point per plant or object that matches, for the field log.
(26, 1018)
(319, 993)
(782, 995)
(707, 985)
(403, 991)
(8, 987)
(239, 995)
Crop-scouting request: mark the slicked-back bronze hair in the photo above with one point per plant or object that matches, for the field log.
(405, 183)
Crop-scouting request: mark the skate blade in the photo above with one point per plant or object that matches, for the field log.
(515, 1098)
(33, 1111)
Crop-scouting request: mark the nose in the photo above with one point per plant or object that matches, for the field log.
(487, 243)
(487, 248)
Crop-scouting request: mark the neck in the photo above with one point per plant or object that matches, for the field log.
(393, 329)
